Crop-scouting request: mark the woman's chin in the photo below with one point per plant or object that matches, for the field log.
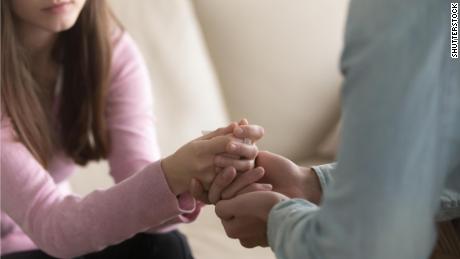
(59, 26)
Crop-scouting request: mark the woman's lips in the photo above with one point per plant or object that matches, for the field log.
(57, 8)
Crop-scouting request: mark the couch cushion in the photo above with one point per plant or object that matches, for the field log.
(187, 94)
(277, 62)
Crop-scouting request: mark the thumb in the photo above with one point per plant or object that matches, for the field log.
(241, 205)
(243, 122)
(253, 204)
(215, 145)
(219, 132)
(226, 209)
(197, 191)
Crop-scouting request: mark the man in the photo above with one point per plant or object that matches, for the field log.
(400, 149)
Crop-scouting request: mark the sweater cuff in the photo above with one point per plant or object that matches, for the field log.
(165, 204)
(283, 213)
(191, 216)
(173, 223)
(324, 173)
(185, 208)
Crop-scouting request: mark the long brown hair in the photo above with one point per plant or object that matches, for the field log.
(84, 52)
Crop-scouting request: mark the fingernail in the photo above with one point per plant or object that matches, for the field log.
(258, 172)
(268, 186)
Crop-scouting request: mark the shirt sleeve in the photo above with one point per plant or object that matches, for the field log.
(131, 121)
(450, 197)
(325, 174)
(400, 120)
(66, 226)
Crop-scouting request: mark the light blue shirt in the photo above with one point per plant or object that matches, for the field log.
(400, 150)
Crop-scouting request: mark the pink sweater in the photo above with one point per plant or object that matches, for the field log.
(36, 212)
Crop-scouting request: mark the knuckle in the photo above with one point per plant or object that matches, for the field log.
(232, 233)
(228, 193)
(221, 161)
(209, 177)
(253, 152)
(247, 243)
(261, 130)
(204, 198)
(196, 149)
(220, 181)
(212, 199)
(218, 212)
(232, 147)
(240, 164)
(243, 166)
(248, 164)
(225, 196)
(227, 138)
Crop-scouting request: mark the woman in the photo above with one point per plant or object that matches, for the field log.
(75, 89)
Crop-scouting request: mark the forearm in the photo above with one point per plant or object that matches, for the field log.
(449, 201)
(67, 226)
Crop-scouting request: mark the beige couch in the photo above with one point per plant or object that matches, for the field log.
(273, 62)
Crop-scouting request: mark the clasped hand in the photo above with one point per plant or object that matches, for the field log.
(245, 184)
(244, 200)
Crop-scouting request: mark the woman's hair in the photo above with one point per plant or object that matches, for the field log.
(84, 52)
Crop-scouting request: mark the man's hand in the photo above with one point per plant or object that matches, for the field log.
(286, 177)
(245, 216)
(242, 183)
(228, 168)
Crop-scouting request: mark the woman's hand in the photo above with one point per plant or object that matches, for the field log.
(245, 216)
(197, 159)
(243, 181)
(229, 179)
(247, 133)
(279, 174)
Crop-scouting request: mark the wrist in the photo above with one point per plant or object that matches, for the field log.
(311, 185)
(174, 178)
(271, 201)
